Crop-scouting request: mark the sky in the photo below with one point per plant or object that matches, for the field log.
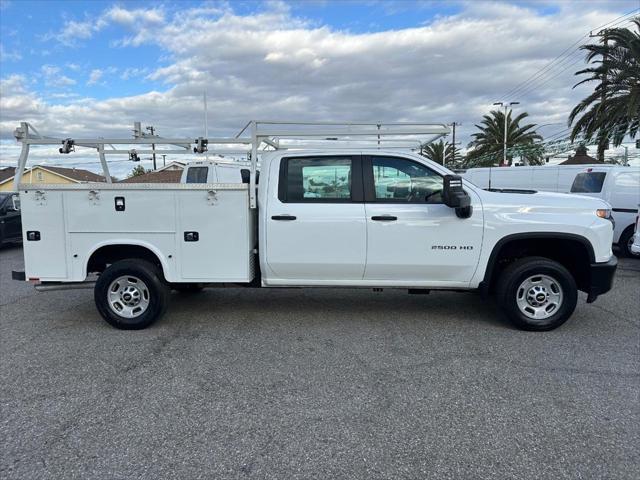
(92, 68)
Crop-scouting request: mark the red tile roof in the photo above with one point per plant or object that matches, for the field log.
(164, 176)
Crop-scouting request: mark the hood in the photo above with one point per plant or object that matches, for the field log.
(543, 199)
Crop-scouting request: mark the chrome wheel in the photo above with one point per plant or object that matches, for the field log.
(539, 297)
(128, 296)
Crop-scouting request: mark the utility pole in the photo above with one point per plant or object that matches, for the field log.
(164, 164)
(504, 140)
(152, 130)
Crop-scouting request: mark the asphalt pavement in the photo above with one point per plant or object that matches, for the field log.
(317, 383)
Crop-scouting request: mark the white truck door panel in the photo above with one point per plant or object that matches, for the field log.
(215, 236)
(425, 243)
(324, 242)
(417, 242)
(317, 233)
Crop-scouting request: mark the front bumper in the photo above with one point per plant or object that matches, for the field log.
(601, 278)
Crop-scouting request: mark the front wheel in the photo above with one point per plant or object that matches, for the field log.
(537, 293)
(131, 294)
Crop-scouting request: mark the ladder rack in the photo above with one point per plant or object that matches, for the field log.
(255, 138)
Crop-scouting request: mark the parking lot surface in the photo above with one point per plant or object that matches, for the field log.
(317, 383)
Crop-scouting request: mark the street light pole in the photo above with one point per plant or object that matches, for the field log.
(504, 140)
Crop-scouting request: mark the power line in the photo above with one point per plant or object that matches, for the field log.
(564, 55)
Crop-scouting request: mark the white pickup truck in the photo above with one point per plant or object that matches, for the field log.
(329, 217)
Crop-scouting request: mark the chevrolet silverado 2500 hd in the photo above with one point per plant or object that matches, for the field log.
(324, 217)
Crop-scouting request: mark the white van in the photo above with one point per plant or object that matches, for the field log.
(215, 171)
(620, 187)
(547, 178)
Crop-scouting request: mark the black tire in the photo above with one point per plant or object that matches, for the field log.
(156, 293)
(510, 287)
(187, 287)
(625, 243)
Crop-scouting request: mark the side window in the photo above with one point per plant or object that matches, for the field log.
(320, 179)
(399, 180)
(590, 182)
(197, 174)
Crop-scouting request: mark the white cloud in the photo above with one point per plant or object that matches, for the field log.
(134, 17)
(53, 77)
(130, 73)
(9, 56)
(94, 76)
(74, 31)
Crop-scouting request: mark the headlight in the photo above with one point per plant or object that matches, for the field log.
(606, 214)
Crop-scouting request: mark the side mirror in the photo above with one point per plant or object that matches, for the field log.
(454, 196)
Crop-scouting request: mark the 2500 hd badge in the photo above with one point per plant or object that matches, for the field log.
(452, 247)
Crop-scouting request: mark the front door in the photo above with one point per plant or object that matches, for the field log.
(412, 237)
(315, 223)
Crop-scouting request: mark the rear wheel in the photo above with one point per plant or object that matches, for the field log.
(537, 294)
(626, 239)
(131, 294)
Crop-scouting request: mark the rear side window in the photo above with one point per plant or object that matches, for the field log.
(320, 179)
(197, 174)
(590, 182)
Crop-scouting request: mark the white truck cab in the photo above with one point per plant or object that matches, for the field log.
(323, 217)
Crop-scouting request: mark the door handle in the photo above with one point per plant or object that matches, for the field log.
(283, 217)
(384, 218)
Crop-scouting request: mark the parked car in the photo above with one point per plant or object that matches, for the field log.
(333, 217)
(10, 219)
(618, 185)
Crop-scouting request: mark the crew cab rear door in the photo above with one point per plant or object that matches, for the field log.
(412, 236)
(315, 223)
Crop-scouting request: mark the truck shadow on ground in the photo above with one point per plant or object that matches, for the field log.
(313, 306)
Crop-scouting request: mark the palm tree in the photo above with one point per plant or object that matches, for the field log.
(612, 111)
(487, 145)
(441, 152)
